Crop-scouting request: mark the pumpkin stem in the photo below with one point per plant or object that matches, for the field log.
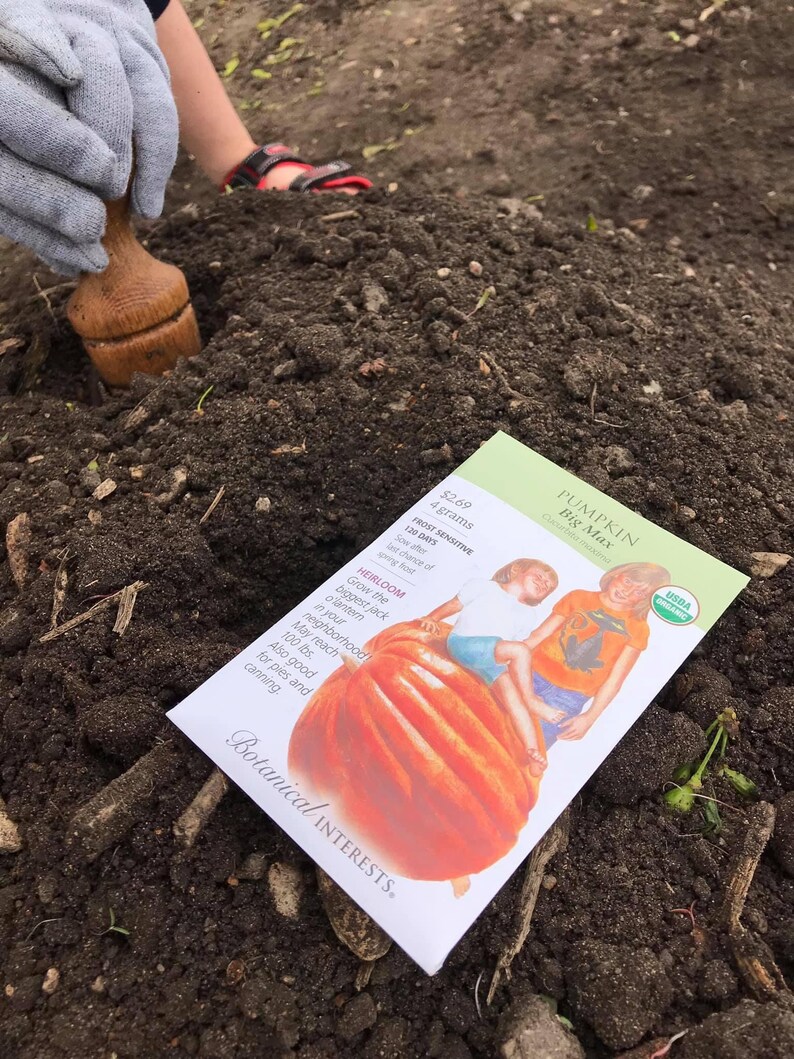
(351, 663)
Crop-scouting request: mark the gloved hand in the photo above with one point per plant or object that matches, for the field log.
(80, 81)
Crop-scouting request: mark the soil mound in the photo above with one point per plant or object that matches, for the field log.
(354, 355)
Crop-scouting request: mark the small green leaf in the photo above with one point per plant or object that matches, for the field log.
(534, 198)
(317, 89)
(377, 148)
(278, 57)
(741, 784)
(199, 23)
(483, 298)
(267, 25)
(711, 815)
(289, 42)
(684, 772)
(231, 66)
(592, 223)
(203, 397)
(261, 75)
(93, 466)
(674, 37)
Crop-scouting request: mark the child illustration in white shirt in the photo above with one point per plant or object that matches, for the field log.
(493, 618)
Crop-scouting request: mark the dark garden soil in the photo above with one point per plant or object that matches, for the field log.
(347, 376)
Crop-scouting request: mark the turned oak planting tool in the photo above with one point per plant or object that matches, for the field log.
(136, 315)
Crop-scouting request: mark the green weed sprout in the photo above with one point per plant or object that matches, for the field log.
(689, 778)
(113, 929)
(202, 399)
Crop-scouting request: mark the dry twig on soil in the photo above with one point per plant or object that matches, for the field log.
(216, 500)
(194, 819)
(59, 590)
(752, 957)
(340, 215)
(125, 601)
(108, 816)
(126, 606)
(18, 547)
(554, 841)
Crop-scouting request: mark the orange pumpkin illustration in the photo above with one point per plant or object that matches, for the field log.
(416, 757)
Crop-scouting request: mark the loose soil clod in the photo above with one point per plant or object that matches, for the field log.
(665, 389)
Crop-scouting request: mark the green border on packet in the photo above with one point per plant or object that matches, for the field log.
(598, 527)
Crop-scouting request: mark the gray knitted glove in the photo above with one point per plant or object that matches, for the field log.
(80, 80)
(57, 214)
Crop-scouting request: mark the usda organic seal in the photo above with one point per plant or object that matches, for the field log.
(675, 605)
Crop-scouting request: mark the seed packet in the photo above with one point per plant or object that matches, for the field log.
(419, 721)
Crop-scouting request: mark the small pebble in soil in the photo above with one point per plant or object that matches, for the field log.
(171, 487)
(51, 981)
(253, 867)
(90, 478)
(262, 505)
(104, 489)
(767, 564)
(529, 1029)
(374, 298)
(431, 457)
(286, 888)
(10, 841)
(620, 991)
(475, 268)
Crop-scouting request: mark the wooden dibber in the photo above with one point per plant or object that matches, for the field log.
(136, 315)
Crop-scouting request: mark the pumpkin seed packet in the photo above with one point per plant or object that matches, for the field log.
(419, 721)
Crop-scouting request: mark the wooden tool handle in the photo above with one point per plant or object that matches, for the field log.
(136, 315)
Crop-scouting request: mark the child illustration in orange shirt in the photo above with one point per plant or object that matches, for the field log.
(492, 619)
(588, 645)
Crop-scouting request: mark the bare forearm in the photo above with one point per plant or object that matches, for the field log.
(210, 127)
(446, 610)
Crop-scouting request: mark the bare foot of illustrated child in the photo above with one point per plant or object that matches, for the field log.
(461, 886)
(546, 713)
